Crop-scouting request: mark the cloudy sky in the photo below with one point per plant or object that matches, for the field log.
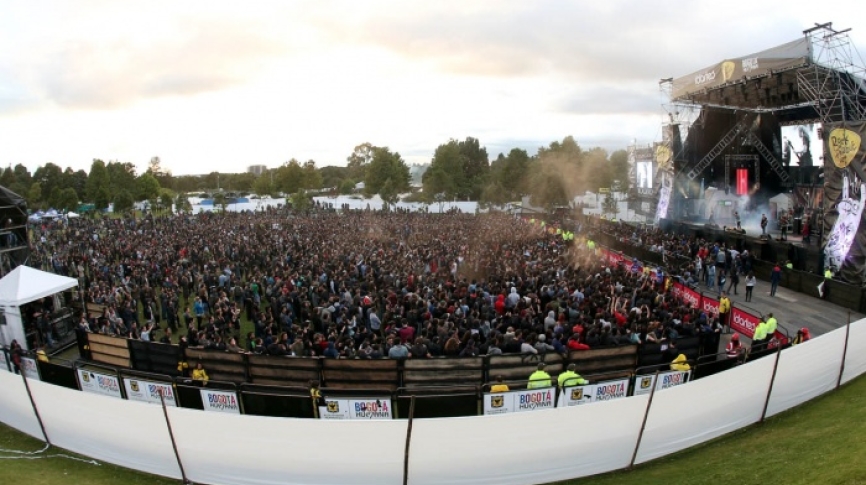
(212, 85)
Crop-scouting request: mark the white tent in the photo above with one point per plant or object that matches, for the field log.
(72, 215)
(23, 285)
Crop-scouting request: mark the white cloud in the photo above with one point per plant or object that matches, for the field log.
(219, 85)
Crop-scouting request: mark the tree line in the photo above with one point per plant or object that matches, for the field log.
(458, 170)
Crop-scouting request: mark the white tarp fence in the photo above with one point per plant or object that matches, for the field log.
(530, 448)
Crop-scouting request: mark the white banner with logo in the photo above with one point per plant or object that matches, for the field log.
(519, 401)
(356, 408)
(602, 391)
(99, 383)
(29, 368)
(220, 401)
(644, 384)
(148, 391)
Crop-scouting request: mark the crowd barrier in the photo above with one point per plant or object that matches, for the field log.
(530, 447)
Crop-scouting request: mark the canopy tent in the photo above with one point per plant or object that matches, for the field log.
(23, 285)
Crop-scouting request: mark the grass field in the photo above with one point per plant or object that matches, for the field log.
(821, 442)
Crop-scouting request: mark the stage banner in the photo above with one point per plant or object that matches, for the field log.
(220, 401)
(356, 408)
(519, 401)
(643, 384)
(29, 368)
(602, 391)
(844, 197)
(99, 383)
(744, 322)
(785, 56)
(148, 391)
(690, 296)
(709, 305)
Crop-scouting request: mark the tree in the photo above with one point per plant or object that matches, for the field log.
(388, 193)
(300, 201)
(220, 200)
(67, 200)
(264, 185)
(121, 176)
(50, 178)
(360, 158)
(312, 179)
(123, 202)
(347, 186)
(609, 206)
(619, 169)
(334, 176)
(289, 177)
(165, 200)
(102, 199)
(386, 165)
(147, 187)
(459, 168)
(34, 195)
(97, 180)
(182, 204)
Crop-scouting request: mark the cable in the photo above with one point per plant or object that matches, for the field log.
(32, 455)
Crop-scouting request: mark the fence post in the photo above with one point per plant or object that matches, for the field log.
(844, 351)
(643, 424)
(772, 380)
(408, 441)
(33, 404)
(171, 436)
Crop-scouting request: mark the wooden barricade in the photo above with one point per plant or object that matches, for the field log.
(109, 350)
(360, 373)
(614, 361)
(283, 371)
(219, 365)
(443, 371)
(518, 367)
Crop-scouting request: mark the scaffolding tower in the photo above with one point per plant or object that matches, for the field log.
(834, 79)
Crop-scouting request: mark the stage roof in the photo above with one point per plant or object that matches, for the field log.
(741, 69)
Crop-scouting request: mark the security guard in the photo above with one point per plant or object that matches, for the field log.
(760, 337)
(539, 378)
(772, 325)
(570, 378)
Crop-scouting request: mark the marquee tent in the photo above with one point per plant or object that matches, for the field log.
(23, 285)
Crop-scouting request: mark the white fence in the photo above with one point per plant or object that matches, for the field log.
(529, 448)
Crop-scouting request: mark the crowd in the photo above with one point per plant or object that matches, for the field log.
(362, 284)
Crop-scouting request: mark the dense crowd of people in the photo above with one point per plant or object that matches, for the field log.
(361, 284)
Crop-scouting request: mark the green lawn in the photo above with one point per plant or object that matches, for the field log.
(822, 442)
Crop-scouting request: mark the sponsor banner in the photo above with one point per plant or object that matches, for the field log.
(99, 383)
(356, 408)
(690, 296)
(709, 305)
(29, 368)
(520, 401)
(4, 361)
(602, 391)
(614, 258)
(643, 384)
(148, 391)
(220, 401)
(743, 322)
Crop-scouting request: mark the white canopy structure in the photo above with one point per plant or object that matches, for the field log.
(23, 285)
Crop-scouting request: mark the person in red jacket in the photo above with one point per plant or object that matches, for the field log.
(575, 344)
(499, 306)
